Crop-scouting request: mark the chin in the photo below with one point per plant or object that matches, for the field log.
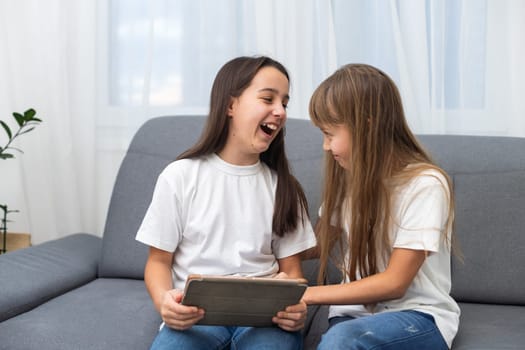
(261, 147)
(343, 165)
(262, 150)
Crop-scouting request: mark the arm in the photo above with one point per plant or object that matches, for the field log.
(157, 276)
(312, 253)
(387, 285)
(294, 316)
(291, 266)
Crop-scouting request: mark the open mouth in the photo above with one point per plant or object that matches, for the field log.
(268, 129)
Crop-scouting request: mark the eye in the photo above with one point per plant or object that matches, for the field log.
(267, 99)
(326, 133)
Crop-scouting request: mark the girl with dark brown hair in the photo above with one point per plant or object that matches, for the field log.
(229, 206)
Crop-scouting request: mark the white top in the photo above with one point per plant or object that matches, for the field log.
(421, 209)
(217, 219)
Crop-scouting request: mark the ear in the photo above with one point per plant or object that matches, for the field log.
(231, 106)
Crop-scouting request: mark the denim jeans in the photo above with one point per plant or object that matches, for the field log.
(406, 330)
(234, 338)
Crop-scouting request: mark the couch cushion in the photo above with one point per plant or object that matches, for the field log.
(31, 276)
(157, 143)
(104, 314)
(317, 326)
(490, 327)
(489, 186)
(476, 154)
(304, 148)
(490, 211)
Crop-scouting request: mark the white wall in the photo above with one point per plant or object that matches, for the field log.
(11, 193)
(11, 186)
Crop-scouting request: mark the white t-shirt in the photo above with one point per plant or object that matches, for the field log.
(217, 219)
(421, 210)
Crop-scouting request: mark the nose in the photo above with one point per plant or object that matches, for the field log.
(326, 144)
(279, 110)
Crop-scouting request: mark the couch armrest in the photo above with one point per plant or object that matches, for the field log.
(34, 275)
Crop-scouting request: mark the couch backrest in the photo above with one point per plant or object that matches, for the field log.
(489, 185)
(158, 142)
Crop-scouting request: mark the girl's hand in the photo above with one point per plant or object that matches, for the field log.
(178, 316)
(292, 318)
(281, 275)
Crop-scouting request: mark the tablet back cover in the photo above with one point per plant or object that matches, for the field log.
(238, 301)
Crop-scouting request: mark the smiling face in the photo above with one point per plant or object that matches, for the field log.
(336, 139)
(256, 117)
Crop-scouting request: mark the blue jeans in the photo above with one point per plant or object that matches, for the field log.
(219, 337)
(406, 330)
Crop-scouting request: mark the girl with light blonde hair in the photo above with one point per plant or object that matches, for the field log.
(386, 221)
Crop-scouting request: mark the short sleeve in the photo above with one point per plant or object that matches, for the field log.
(161, 227)
(422, 211)
(295, 242)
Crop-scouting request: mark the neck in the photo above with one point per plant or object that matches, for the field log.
(238, 158)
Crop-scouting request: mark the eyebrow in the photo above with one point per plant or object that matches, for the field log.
(275, 91)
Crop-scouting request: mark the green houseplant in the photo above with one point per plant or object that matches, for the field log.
(26, 122)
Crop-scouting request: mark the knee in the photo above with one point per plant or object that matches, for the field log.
(343, 336)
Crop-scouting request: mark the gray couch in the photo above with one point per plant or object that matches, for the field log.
(83, 292)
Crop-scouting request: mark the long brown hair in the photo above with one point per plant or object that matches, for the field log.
(367, 102)
(231, 80)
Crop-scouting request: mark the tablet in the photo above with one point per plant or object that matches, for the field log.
(241, 301)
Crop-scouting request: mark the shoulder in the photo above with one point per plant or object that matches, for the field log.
(179, 171)
(427, 177)
(424, 183)
(182, 165)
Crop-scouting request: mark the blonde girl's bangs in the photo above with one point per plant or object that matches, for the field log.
(321, 106)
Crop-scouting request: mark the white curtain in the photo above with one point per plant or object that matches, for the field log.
(47, 63)
(453, 60)
(96, 70)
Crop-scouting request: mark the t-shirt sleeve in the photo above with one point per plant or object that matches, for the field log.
(161, 227)
(295, 242)
(422, 214)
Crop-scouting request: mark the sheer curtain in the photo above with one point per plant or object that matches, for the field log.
(96, 70)
(47, 63)
(454, 60)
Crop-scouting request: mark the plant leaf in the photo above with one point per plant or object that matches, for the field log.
(19, 118)
(7, 129)
(29, 114)
(6, 156)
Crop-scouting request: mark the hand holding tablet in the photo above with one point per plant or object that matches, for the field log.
(241, 301)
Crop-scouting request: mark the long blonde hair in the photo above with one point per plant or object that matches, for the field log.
(367, 102)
